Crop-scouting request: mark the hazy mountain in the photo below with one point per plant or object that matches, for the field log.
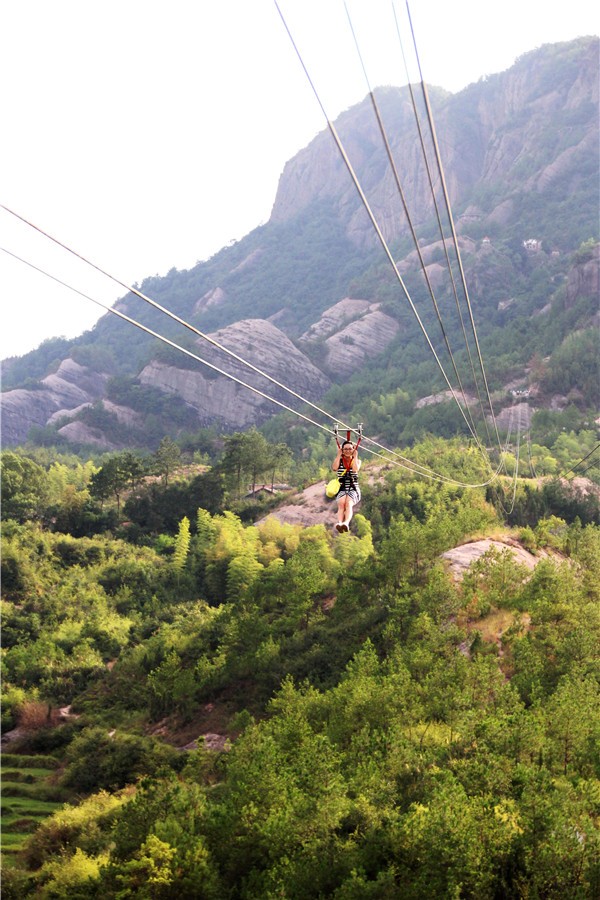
(311, 299)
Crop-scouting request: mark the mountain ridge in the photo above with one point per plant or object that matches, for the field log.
(520, 157)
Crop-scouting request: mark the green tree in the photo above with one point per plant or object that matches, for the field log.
(286, 799)
(101, 485)
(172, 687)
(24, 486)
(258, 455)
(573, 724)
(308, 572)
(575, 365)
(150, 873)
(242, 572)
(166, 458)
(113, 478)
(75, 875)
(206, 529)
(234, 458)
(279, 460)
(98, 759)
(231, 540)
(134, 466)
(182, 544)
(164, 813)
(249, 454)
(453, 845)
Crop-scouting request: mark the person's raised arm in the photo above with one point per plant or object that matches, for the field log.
(336, 463)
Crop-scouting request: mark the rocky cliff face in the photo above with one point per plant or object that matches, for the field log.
(218, 399)
(318, 172)
(353, 332)
(584, 279)
(70, 387)
(502, 141)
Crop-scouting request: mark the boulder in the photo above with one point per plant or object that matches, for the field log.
(459, 559)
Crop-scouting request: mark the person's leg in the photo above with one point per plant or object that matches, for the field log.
(344, 513)
(341, 512)
(349, 506)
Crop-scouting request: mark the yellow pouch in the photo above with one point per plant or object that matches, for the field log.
(332, 488)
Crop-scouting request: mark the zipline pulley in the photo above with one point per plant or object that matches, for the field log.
(358, 429)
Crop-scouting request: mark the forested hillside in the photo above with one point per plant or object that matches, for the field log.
(200, 700)
(207, 691)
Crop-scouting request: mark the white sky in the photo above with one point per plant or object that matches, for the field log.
(146, 135)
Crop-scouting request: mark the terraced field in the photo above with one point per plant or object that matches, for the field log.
(29, 795)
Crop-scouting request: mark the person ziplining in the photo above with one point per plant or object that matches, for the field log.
(347, 465)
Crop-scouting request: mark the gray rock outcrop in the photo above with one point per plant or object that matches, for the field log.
(512, 111)
(217, 398)
(460, 559)
(80, 433)
(71, 386)
(584, 279)
(353, 332)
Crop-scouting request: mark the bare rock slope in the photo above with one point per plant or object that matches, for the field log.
(459, 559)
(218, 398)
(69, 387)
(353, 332)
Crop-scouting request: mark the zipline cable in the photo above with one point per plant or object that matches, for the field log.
(577, 464)
(245, 362)
(434, 476)
(505, 448)
(514, 476)
(529, 454)
(451, 221)
(374, 222)
(587, 468)
(239, 358)
(166, 340)
(201, 334)
(440, 226)
(401, 193)
(166, 311)
(231, 353)
(170, 343)
(512, 506)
